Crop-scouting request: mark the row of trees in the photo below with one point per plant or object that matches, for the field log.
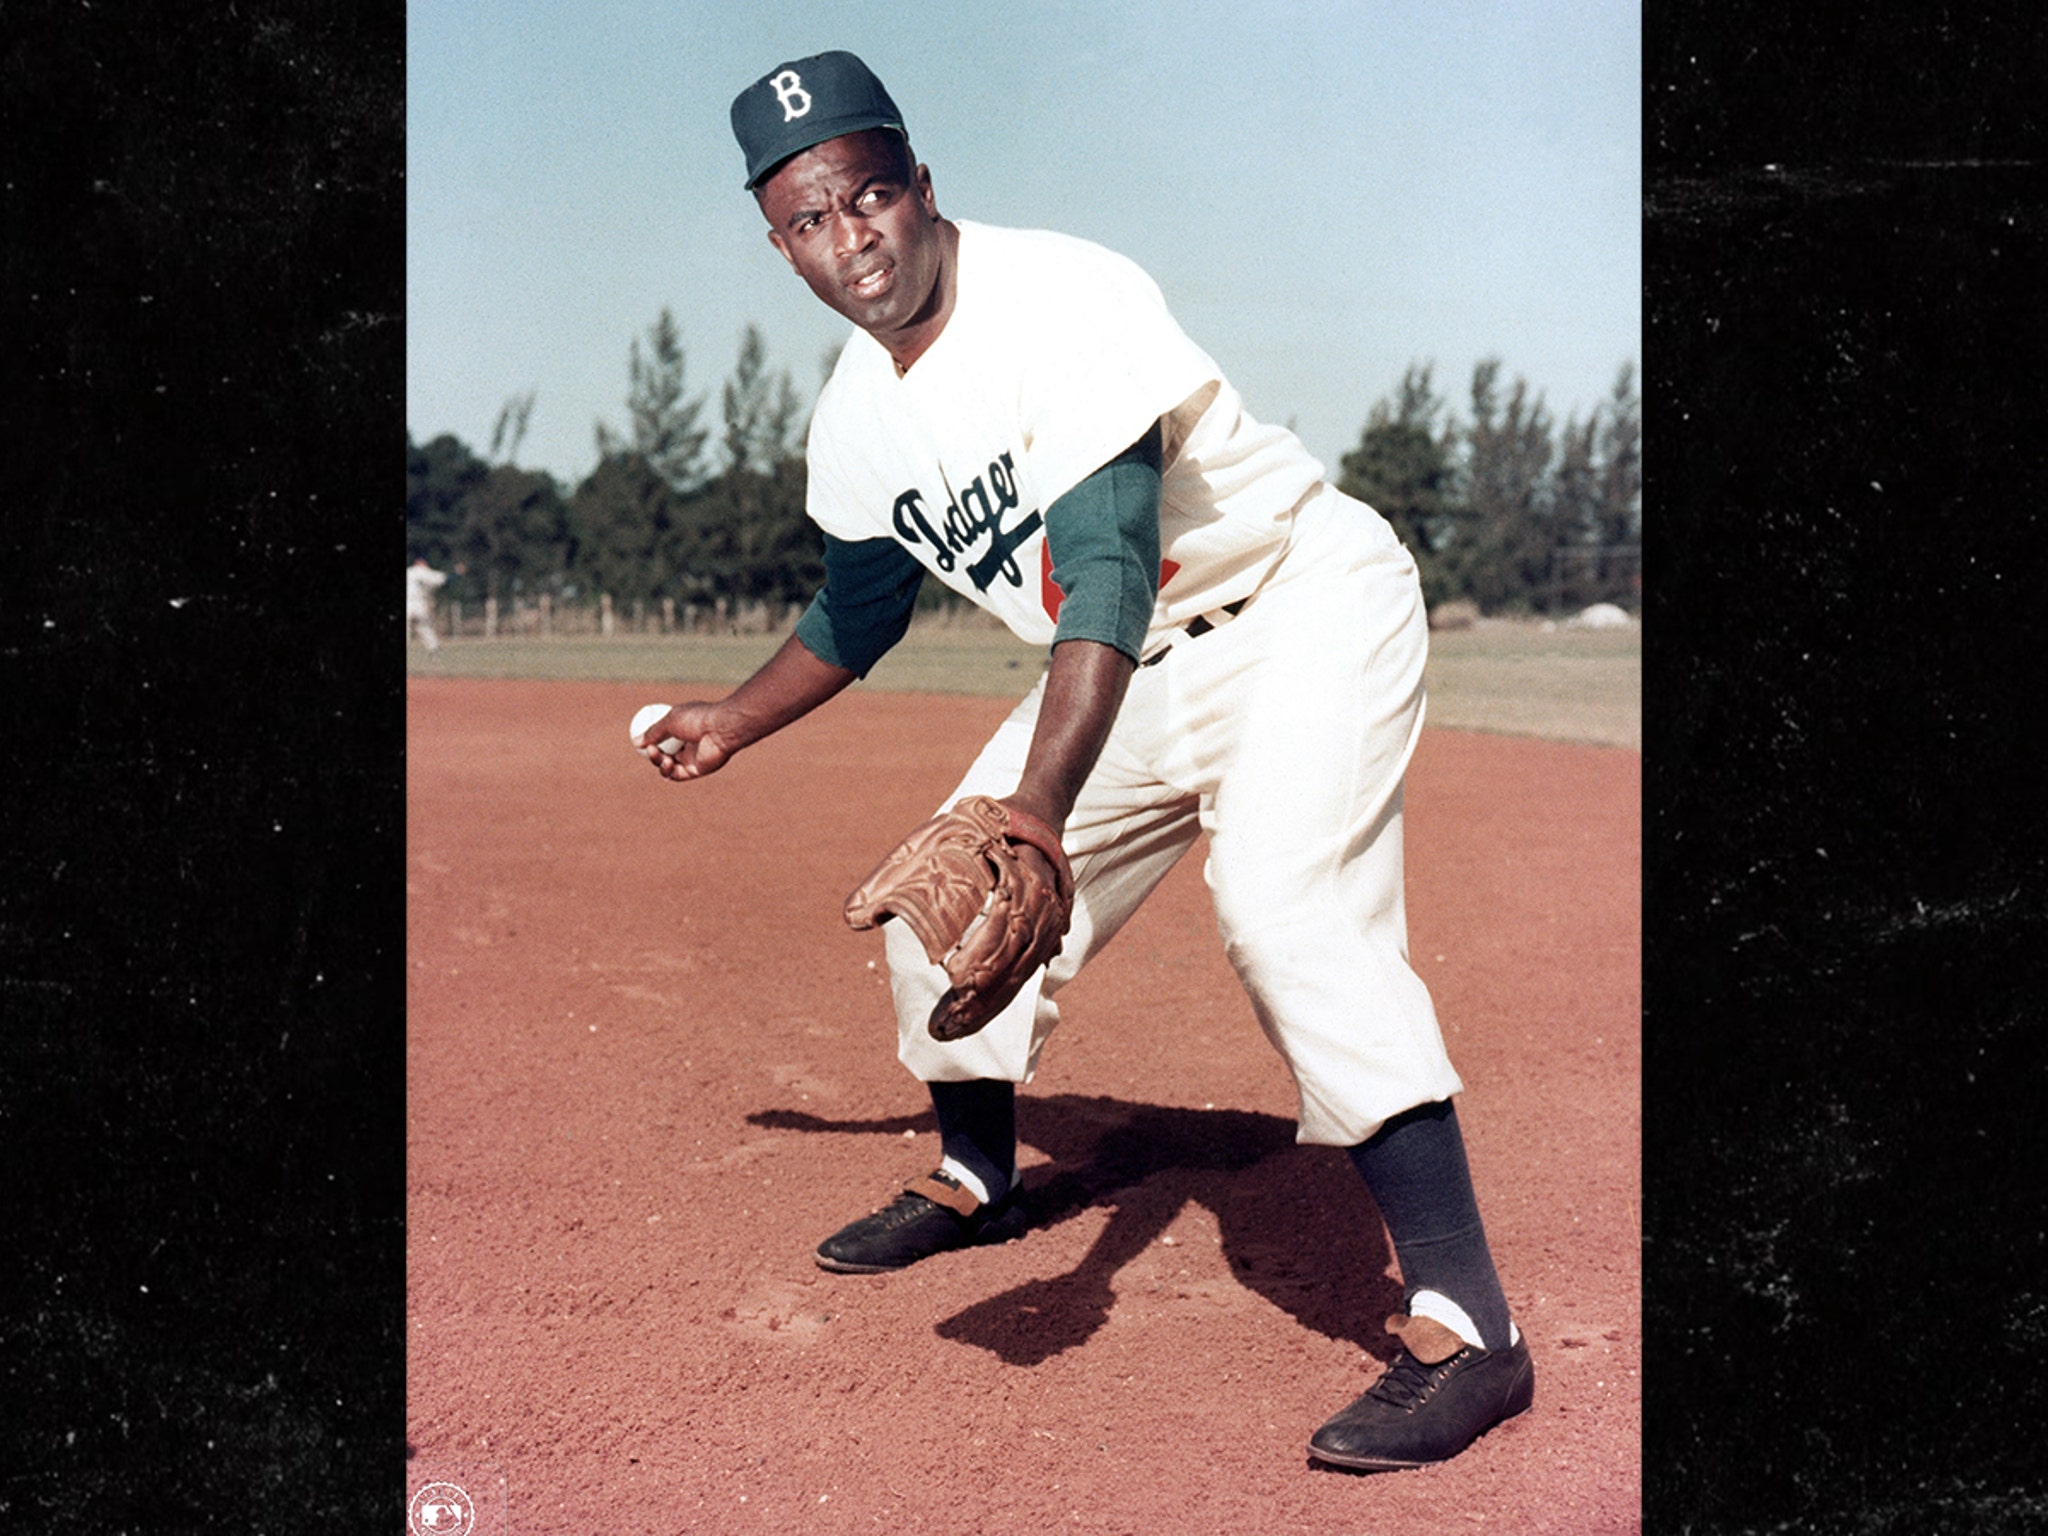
(666, 513)
(1502, 508)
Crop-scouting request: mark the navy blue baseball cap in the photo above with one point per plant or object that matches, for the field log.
(806, 102)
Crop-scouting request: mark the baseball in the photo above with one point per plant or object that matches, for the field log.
(647, 717)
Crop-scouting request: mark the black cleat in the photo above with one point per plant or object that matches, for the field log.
(934, 1214)
(1438, 1396)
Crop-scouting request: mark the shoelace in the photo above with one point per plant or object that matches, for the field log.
(904, 1208)
(907, 1207)
(1408, 1381)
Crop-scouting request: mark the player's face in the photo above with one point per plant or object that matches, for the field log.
(862, 229)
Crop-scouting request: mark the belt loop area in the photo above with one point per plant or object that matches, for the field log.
(1199, 626)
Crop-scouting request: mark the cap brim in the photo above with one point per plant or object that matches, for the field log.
(839, 128)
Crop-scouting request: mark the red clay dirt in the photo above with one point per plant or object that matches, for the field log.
(650, 1067)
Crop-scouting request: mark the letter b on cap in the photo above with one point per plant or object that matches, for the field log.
(789, 90)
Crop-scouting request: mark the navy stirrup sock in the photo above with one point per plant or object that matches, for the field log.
(1416, 1169)
(978, 1129)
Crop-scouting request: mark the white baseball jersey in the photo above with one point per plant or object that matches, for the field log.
(1058, 356)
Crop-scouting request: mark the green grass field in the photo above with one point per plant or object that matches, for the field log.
(1514, 678)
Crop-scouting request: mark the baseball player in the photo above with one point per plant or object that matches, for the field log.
(422, 581)
(1236, 648)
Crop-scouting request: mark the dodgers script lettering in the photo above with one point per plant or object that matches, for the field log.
(975, 510)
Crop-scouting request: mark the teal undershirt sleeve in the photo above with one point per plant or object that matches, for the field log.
(865, 605)
(1104, 538)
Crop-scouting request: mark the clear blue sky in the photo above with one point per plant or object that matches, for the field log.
(1326, 190)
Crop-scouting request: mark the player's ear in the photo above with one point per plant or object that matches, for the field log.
(921, 178)
(775, 239)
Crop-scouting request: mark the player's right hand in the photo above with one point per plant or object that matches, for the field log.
(703, 751)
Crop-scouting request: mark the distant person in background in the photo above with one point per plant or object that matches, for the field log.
(422, 581)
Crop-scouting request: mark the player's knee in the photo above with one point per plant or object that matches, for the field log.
(1253, 902)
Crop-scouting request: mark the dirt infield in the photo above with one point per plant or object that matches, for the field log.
(649, 1068)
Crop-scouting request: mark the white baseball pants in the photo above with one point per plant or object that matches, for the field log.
(1284, 735)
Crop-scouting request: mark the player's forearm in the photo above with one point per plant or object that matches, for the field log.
(1084, 689)
(789, 685)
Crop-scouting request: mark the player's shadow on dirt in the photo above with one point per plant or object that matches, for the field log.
(1297, 1225)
